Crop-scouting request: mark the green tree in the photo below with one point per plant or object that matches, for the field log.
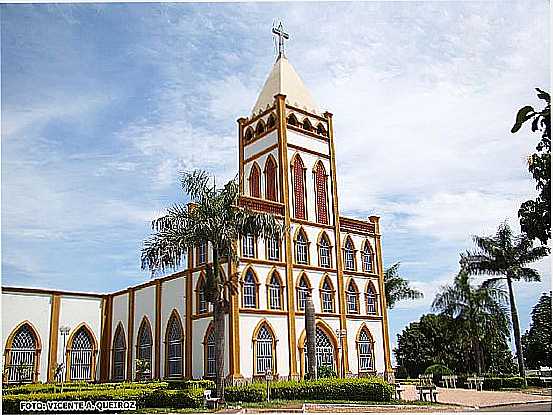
(215, 218)
(397, 288)
(505, 257)
(536, 341)
(535, 215)
(477, 310)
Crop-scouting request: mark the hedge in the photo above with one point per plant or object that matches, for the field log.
(362, 389)
(191, 384)
(79, 386)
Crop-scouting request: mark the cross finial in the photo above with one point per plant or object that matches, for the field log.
(282, 35)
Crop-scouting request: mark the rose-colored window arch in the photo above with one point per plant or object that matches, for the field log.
(298, 176)
(270, 179)
(255, 183)
(321, 193)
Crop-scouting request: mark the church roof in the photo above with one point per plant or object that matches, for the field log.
(284, 80)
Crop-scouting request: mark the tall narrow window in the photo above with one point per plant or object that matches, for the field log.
(249, 295)
(324, 350)
(81, 355)
(22, 356)
(273, 249)
(202, 253)
(202, 301)
(255, 183)
(144, 355)
(271, 121)
(302, 256)
(367, 258)
(248, 246)
(371, 299)
(119, 354)
(174, 341)
(264, 350)
(275, 293)
(321, 193)
(260, 128)
(303, 290)
(365, 351)
(270, 179)
(327, 297)
(298, 177)
(349, 255)
(352, 295)
(210, 355)
(324, 251)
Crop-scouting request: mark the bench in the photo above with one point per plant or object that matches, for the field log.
(449, 381)
(209, 402)
(427, 388)
(398, 390)
(545, 375)
(475, 381)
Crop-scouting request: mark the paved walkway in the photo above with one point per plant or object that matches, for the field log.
(480, 399)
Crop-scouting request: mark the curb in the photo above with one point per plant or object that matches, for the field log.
(499, 405)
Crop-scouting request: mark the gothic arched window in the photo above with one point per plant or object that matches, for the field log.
(270, 179)
(324, 350)
(325, 255)
(271, 121)
(365, 351)
(298, 180)
(367, 257)
(274, 290)
(321, 130)
(371, 299)
(255, 182)
(302, 248)
(349, 255)
(201, 305)
(303, 290)
(321, 199)
(307, 124)
(22, 353)
(352, 297)
(81, 355)
(249, 134)
(249, 290)
(327, 296)
(119, 354)
(292, 120)
(264, 350)
(260, 128)
(144, 351)
(209, 354)
(174, 345)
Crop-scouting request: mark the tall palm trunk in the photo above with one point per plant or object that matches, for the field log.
(310, 335)
(516, 326)
(219, 330)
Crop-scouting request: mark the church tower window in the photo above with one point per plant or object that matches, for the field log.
(248, 246)
(371, 299)
(249, 290)
(307, 125)
(255, 183)
(275, 292)
(271, 121)
(303, 290)
(292, 120)
(321, 199)
(325, 256)
(367, 258)
(302, 248)
(352, 296)
(273, 249)
(260, 128)
(270, 179)
(349, 254)
(365, 351)
(327, 296)
(298, 177)
(202, 253)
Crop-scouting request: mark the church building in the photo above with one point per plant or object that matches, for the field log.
(162, 328)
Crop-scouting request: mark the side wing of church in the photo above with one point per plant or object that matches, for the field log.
(162, 328)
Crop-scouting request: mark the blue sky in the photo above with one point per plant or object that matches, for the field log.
(103, 104)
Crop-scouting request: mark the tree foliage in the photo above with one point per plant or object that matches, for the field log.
(535, 215)
(536, 341)
(397, 288)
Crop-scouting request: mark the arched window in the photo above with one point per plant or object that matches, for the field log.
(292, 120)
(119, 354)
(367, 258)
(325, 255)
(307, 124)
(249, 290)
(144, 351)
(202, 253)
(264, 350)
(365, 351)
(298, 181)
(321, 130)
(248, 246)
(271, 121)
(249, 134)
(273, 249)
(352, 296)
(270, 179)
(303, 289)
(349, 254)
(174, 345)
(324, 350)
(327, 296)
(274, 289)
(255, 183)
(81, 355)
(321, 200)
(302, 249)
(260, 127)
(371, 299)
(209, 354)
(202, 306)
(22, 355)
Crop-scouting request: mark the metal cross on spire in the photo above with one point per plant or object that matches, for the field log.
(282, 35)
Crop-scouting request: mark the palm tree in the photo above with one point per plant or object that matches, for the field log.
(397, 288)
(213, 217)
(505, 257)
(478, 311)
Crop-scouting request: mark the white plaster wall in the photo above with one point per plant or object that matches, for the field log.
(311, 143)
(144, 305)
(77, 310)
(172, 297)
(261, 144)
(199, 328)
(18, 307)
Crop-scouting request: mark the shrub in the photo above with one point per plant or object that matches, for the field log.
(79, 386)
(534, 381)
(174, 398)
(191, 384)
(497, 383)
(437, 371)
(514, 382)
(251, 392)
(326, 372)
(492, 384)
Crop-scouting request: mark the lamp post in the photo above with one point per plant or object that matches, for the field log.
(268, 378)
(64, 331)
(341, 334)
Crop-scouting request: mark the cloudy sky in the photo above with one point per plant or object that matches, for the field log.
(103, 104)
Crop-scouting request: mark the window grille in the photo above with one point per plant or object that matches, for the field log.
(303, 289)
(250, 291)
(349, 254)
(174, 348)
(202, 302)
(301, 249)
(264, 345)
(145, 351)
(367, 258)
(274, 293)
(327, 298)
(273, 249)
(365, 348)
(320, 196)
(210, 369)
(81, 356)
(324, 253)
(352, 298)
(22, 356)
(298, 172)
(324, 350)
(248, 246)
(119, 353)
(371, 300)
